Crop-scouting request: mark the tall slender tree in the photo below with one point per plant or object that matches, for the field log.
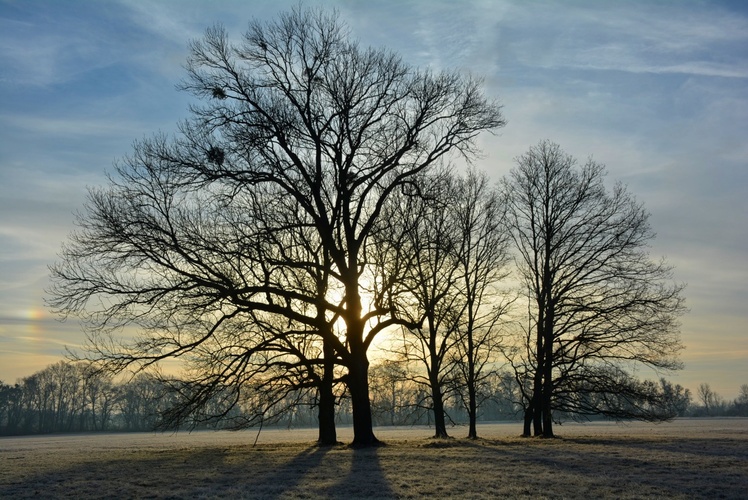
(482, 256)
(450, 244)
(418, 243)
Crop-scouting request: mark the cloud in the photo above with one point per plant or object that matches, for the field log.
(35, 56)
(636, 37)
(175, 22)
(101, 126)
(44, 50)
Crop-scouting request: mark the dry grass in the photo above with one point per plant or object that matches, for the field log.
(685, 459)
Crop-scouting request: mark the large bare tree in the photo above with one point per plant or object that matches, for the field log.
(298, 125)
(598, 303)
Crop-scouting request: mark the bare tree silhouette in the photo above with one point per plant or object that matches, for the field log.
(598, 303)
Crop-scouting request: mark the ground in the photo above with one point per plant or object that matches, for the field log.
(689, 458)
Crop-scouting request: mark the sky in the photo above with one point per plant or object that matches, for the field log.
(655, 90)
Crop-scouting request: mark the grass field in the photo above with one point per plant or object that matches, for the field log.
(699, 458)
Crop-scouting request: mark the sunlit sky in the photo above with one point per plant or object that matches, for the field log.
(657, 91)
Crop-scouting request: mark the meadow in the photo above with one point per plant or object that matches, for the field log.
(687, 458)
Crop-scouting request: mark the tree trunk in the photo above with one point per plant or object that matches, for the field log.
(547, 397)
(440, 425)
(547, 415)
(472, 410)
(326, 417)
(472, 404)
(358, 385)
(527, 421)
(537, 393)
(537, 383)
(358, 363)
(537, 418)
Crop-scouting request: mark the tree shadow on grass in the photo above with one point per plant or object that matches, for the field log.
(687, 468)
(243, 472)
(601, 468)
(716, 447)
(287, 476)
(365, 478)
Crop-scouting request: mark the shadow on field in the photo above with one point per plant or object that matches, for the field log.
(241, 472)
(716, 447)
(270, 471)
(590, 467)
(364, 479)
(681, 468)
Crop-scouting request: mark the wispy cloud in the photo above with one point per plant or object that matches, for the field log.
(97, 126)
(53, 49)
(637, 37)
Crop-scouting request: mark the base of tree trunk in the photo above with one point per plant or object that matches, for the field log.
(366, 443)
(327, 444)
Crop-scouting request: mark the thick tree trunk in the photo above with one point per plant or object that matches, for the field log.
(358, 364)
(437, 398)
(326, 417)
(547, 422)
(537, 418)
(472, 410)
(440, 424)
(358, 385)
(527, 421)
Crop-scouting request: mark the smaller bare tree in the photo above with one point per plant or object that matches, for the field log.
(446, 237)
(598, 304)
(482, 254)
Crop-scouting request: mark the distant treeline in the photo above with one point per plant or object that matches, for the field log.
(73, 397)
